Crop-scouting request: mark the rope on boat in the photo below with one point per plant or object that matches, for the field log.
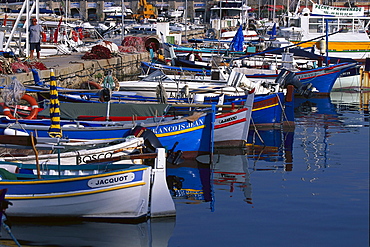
(283, 111)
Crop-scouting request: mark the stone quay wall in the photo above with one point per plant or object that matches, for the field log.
(70, 70)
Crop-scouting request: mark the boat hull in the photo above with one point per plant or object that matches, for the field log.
(117, 194)
(191, 136)
(322, 78)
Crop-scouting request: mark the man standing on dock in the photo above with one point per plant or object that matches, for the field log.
(35, 38)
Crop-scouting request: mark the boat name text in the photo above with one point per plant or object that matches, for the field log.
(111, 180)
(228, 119)
(179, 127)
(87, 158)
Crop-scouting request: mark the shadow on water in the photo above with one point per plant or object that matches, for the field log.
(154, 232)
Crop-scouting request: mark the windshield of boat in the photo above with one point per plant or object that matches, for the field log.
(158, 76)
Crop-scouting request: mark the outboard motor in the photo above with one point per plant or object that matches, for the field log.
(287, 77)
(151, 141)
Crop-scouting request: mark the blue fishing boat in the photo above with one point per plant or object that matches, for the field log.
(189, 136)
(321, 78)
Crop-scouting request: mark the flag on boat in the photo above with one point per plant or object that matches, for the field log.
(272, 33)
(54, 130)
(238, 40)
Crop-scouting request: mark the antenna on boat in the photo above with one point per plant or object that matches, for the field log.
(123, 10)
(297, 7)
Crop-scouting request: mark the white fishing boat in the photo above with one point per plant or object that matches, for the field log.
(226, 15)
(106, 191)
(231, 129)
(79, 151)
(115, 12)
(157, 83)
(347, 30)
(175, 13)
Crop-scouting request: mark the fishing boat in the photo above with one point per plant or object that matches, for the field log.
(347, 30)
(230, 126)
(104, 191)
(270, 110)
(67, 151)
(179, 85)
(351, 80)
(226, 15)
(321, 78)
(191, 136)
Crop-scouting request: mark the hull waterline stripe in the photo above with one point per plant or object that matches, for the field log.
(50, 196)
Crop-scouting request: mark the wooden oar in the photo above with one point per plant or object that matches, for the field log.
(36, 155)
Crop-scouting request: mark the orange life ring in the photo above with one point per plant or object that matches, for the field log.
(90, 85)
(31, 100)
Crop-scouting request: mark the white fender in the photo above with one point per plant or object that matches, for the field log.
(13, 132)
(10, 168)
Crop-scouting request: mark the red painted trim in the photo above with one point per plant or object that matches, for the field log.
(231, 113)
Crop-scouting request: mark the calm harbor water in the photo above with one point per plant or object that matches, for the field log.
(306, 187)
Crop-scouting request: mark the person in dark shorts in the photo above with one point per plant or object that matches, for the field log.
(35, 32)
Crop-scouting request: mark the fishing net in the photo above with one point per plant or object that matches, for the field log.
(127, 49)
(19, 67)
(134, 42)
(5, 67)
(98, 52)
(10, 66)
(12, 93)
(35, 65)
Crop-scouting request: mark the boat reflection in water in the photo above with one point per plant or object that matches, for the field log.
(196, 180)
(154, 232)
(271, 149)
(267, 150)
(322, 117)
(191, 180)
(231, 169)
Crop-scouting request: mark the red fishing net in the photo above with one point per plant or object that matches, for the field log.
(19, 67)
(98, 52)
(136, 44)
(35, 65)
